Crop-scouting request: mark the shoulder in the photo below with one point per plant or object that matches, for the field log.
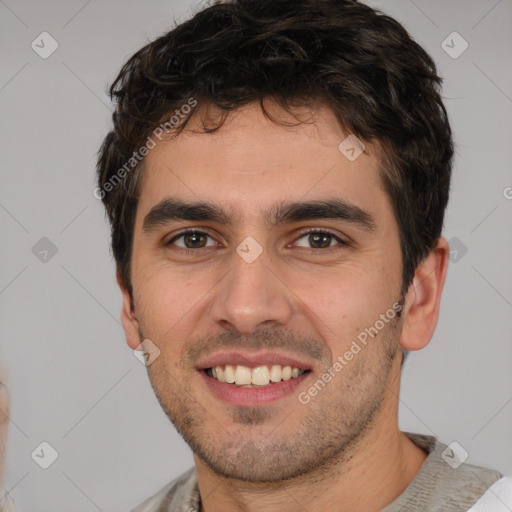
(445, 482)
(179, 495)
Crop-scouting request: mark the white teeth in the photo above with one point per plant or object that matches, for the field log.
(242, 375)
(259, 376)
(286, 373)
(275, 373)
(229, 374)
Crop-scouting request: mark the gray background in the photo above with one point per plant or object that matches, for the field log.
(73, 381)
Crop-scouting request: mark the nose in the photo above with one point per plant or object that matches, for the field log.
(251, 296)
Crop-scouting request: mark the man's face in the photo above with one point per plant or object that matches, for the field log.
(210, 298)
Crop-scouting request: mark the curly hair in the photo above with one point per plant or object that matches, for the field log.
(363, 65)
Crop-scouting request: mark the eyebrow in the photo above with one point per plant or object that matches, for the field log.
(169, 210)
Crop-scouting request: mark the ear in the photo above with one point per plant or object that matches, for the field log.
(421, 310)
(128, 317)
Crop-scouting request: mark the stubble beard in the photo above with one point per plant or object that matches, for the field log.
(329, 429)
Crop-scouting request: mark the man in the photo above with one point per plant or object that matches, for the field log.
(276, 182)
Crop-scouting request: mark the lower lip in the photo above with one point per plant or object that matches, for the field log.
(251, 397)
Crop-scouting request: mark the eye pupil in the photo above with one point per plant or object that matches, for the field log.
(320, 240)
(191, 240)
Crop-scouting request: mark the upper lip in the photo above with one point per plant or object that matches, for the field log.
(251, 360)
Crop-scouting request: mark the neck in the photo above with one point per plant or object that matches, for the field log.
(376, 470)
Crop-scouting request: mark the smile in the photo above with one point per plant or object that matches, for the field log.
(259, 376)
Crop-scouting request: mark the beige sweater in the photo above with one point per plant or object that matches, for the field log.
(437, 487)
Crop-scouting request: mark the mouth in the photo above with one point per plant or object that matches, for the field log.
(246, 379)
(259, 376)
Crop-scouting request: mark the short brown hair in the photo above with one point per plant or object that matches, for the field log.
(362, 64)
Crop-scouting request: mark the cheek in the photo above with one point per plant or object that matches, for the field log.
(345, 289)
(174, 305)
(168, 302)
(345, 301)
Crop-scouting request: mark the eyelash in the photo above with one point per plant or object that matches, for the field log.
(310, 231)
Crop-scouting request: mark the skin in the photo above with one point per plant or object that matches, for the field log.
(4, 421)
(343, 450)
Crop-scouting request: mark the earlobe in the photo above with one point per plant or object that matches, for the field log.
(129, 320)
(423, 299)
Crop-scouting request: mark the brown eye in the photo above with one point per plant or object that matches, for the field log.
(318, 240)
(191, 240)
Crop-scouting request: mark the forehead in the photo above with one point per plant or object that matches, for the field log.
(252, 162)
